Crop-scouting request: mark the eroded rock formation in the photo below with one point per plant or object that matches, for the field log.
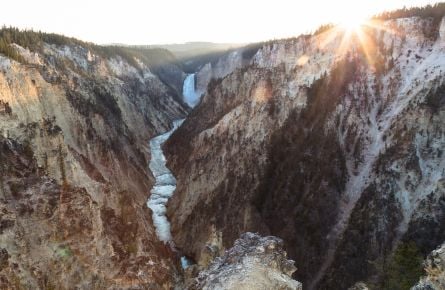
(75, 121)
(254, 262)
(435, 269)
(332, 142)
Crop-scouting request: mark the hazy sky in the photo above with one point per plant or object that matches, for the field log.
(168, 21)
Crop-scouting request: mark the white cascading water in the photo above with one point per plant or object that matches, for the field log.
(164, 186)
(189, 92)
(165, 182)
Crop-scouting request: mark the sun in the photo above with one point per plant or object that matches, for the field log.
(352, 23)
(355, 17)
(354, 35)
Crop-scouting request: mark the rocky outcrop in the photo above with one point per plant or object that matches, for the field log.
(254, 262)
(224, 65)
(75, 121)
(332, 142)
(435, 269)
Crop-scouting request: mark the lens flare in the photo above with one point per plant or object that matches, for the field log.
(352, 23)
(356, 35)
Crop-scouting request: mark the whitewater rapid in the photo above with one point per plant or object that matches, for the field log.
(165, 182)
(164, 186)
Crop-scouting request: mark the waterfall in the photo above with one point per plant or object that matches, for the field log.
(165, 182)
(191, 97)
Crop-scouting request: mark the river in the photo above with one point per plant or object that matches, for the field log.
(165, 182)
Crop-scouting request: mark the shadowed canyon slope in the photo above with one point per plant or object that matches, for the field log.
(333, 142)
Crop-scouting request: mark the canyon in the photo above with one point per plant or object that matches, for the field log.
(332, 142)
(313, 162)
(75, 125)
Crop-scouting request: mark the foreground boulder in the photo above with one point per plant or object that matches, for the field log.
(435, 268)
(254, 262)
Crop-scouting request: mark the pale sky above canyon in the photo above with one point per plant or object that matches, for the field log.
(177, 21)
